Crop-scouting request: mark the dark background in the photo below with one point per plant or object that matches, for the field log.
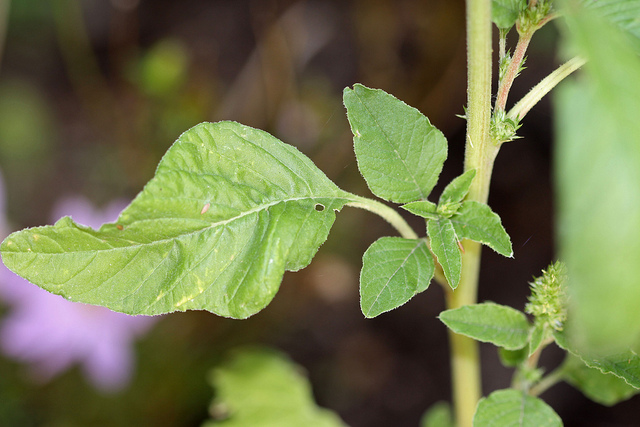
(93, 92)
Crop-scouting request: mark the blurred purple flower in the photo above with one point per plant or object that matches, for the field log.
(51, 333)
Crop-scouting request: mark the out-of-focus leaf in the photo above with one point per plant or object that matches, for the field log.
(488, 322)
(622, 13)
(262, 388)
(606, 389)
(400, 153)
(438, 415)
(511, 408)
(393, 271)
(229, 210)
(505, 12)
(598, 187)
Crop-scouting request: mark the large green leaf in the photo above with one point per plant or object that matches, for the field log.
(262, 388)
(622, 13)
(625, 365)
(400, 153)
(393, 271)
(229, 210)
(488, 322)
(598, 187)
(513, 408)
(444, 245)
(606, 389)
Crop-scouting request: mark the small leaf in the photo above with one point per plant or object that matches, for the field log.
(423, 208)
(505, 12)
(444, 245)
(606, 389)
(513, 358)
(393, 271)
(263, 388)
(488, 322)
(538, 334)
(400, 153)
(438, 415)
(229, 210)
(476, 221)
(510, 408)
(455, 191)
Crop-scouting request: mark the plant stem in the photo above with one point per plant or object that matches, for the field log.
(512, 70)
(479, 154)
(523, 106)
(545, 383)
(387, 213)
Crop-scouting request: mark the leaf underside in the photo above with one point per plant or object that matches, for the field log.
(229, 210)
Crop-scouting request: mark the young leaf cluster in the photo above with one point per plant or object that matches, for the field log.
(400, 155)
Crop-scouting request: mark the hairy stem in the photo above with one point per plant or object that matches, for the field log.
(523, 106)
(512, 70)
(479, 154)
(387, 213)
(545, 383)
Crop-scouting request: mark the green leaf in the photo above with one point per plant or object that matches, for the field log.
(621, 13)
(507, 408)
(393, 271)
(476, 221)
(606, 389)
(598, 181)
(513, 358)
(538, 334)
(505, 12)
(625, 365)
(488, 322)
(444, 245)
(438, 415)
(229, 210)
(423, 208)
(400, 153)
(455, 191)
(263, 388)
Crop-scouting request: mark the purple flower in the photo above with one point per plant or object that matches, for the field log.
(51, 333)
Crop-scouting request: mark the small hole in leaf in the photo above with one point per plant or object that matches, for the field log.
(319, 207)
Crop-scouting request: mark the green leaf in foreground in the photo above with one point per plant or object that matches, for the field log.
(444, 245)
(606, 389)
(262, 388)
(511, 408)
(598, 167)
(229, 210)
(625, 365)
(400, 153)
(393, 271)
(476, 221)
(488, 322)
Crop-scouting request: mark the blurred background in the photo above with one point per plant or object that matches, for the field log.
(93, 92)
